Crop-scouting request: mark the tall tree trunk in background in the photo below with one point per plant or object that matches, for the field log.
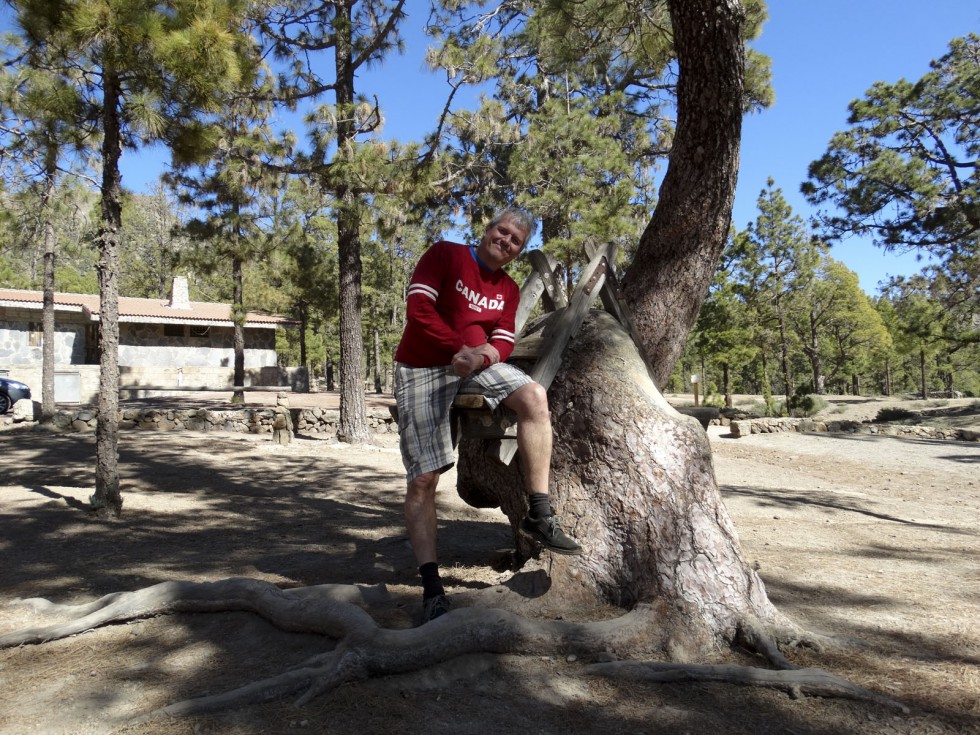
(353, 426)
(812, 350)
(47, 309)
(238, 319)
(108, 497)
(377, 361)
(726, 378)
(631, 478)
(304, 319)
(353, 418)
(922, 374)
(784, 362)
(680, 248)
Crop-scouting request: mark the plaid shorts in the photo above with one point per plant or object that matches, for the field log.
(425, 396)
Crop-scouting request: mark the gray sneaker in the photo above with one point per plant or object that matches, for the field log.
(434, 607)
(547, 532)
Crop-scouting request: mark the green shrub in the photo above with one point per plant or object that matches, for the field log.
(714, 399)
(895, 416)
(803, 403)
(807, 405)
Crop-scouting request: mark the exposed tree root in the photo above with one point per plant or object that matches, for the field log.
(757, 637)
(811, 682)
(327, 609)
(365, 650)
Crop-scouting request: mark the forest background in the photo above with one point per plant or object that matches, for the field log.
(247, 207)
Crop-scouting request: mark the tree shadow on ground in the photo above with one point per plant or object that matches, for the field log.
(791, 499)
(206, 508)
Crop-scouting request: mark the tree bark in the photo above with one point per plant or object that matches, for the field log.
(238, 319)
(108, 498)
(679, 250)
(726, 372)
(47, 309)
(353, 425)
(784, 362)
(377, 362)
(632, 479)
(923, 389)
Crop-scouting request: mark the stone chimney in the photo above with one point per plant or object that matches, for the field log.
(179, 298)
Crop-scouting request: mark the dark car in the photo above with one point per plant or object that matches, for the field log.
(11, 391)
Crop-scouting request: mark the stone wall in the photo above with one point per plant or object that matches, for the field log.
(242, 420)
(20, 340)
(770, 425)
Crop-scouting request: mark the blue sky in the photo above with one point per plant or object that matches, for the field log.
(824, 54)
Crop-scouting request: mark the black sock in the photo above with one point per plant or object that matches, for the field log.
(540, 505)
(431, 584)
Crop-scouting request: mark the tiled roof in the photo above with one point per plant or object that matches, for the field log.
(141, 310)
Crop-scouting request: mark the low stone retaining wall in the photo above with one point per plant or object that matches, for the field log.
(241, 420)
(745, 427)
(322, 420)
(380, 421)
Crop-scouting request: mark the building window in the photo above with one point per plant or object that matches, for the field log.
(173, 330)
(199, 331)
(35, 335)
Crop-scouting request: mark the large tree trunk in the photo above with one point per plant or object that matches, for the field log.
(353, 417)
(726, 372)
(784, 362)
(108, 498)
(238, 319)
(633, 480)
(923, 386)
(47, 310)
(680, 248)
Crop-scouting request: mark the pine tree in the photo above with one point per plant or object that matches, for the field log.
(144, 72)
(775, 257)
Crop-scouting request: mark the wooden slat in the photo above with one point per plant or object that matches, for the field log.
(528, 347)
(560, 332)
(546, 265)
(615, 304)
(541, 283)
(470, 400)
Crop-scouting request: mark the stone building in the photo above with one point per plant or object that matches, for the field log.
(169, 343)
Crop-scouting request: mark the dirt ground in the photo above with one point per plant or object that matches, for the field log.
(871, 540)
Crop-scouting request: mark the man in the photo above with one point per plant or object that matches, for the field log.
(459, 330)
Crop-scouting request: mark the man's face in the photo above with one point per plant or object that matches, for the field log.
(501, 243)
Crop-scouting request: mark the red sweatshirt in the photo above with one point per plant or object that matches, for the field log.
(452, 301)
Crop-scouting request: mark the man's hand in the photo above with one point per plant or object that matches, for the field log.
(488, 350)
(466, 361)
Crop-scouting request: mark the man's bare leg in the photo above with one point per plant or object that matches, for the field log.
(534, 435)
(421, 524)
(420, 516)
(534, 443)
